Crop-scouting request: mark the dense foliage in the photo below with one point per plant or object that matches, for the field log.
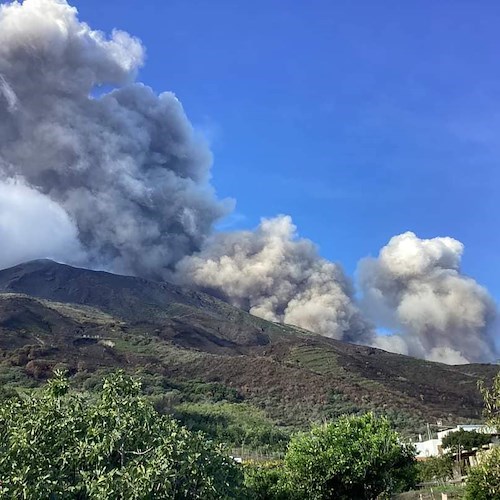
(240, 425)
(483, 482)
(266, 481)
(464, 440)
(59, 444)
(354, 457)
(435, 469)
(491, 397)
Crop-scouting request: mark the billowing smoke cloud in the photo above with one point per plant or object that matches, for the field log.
(415, 287)
(126, 175)
(120, 180)
(126, 167)
(32, 225)
(275, 275)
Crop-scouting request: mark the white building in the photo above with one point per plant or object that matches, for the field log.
(429, 448)
(434, 447)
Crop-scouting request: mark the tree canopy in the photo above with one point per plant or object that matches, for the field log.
(352, 457)
(113, 444)
(491, 397)
(483, 482)
(465, 440)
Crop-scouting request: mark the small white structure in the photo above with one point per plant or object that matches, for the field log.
(429, 448)
(434, 447)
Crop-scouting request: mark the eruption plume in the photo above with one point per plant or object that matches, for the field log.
(415, 287)
(119, 180)
(275, 275)
(126, 167)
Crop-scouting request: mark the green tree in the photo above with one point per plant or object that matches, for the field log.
(435, 469)
(483, 482)
(59, 444)
(464, 440)
(264, 481)
(354, 457)
(491, 397)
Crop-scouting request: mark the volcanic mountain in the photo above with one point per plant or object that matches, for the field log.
(54, 315)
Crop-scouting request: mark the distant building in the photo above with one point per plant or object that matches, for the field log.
(429, 448)
(434, 447)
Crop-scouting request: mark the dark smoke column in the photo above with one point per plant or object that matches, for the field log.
(125, 167)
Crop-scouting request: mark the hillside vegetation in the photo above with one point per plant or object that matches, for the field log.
(211, 364)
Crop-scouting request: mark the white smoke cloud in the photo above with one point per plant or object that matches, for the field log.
(33, 226)
(446, 355)
(126, 167)
(415, 287)
(277, 276)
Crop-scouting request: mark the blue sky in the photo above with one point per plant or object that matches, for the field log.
(360, 119)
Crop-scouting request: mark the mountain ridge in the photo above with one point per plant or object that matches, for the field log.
(53, 314)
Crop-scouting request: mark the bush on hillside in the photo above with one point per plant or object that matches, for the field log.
(236, 424)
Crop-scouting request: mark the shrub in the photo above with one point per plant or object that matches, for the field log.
(353, 457)
(265, 481)
(483, 482)
(435, 469)
(58, 444)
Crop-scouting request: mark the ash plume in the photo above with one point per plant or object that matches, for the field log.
(126, 167)
(118, 179)
(127, 181)
(415, 287)
(273, 274)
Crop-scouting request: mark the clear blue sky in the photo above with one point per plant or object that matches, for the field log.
(361, 119)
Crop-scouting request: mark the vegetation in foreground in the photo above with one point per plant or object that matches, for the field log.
(112, 443)
(353, 457)
(483, 482)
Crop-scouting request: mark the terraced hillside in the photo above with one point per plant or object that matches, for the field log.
(87, 322)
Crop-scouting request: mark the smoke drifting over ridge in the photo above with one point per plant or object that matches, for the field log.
(122, 182)
(275, 275)
(415, 287)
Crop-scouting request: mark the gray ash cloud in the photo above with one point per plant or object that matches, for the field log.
(126, 167)
(415, 287)
(276, 275)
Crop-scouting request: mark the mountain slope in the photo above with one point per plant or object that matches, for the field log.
(52, 314)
